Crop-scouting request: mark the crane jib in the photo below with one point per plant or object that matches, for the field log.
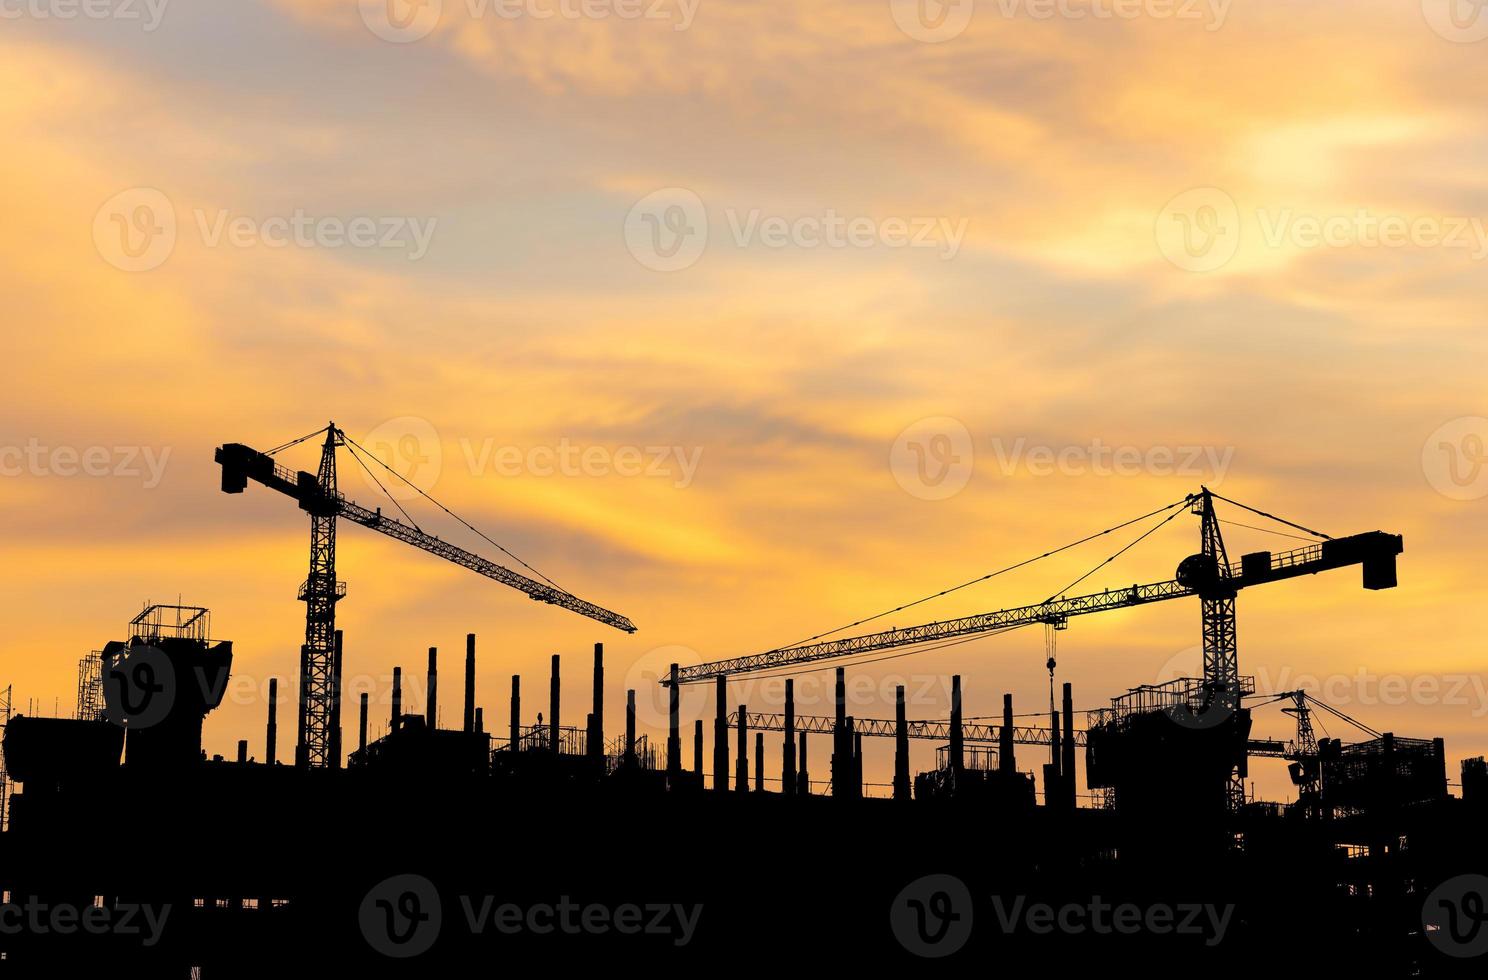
(1374, 551)
(241, 464)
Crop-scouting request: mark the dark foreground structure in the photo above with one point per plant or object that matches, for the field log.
(453, 851)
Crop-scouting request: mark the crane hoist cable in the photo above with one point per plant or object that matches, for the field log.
(295, 442)
(420, 491)
(354, 455)
(1001, 571)
(1279, 520)
(1264, 530)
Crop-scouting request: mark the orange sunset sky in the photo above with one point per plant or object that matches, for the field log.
(1255, 229)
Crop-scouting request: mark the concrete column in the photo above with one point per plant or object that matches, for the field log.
(1006, 761)
(720, 739)
(803, 773)
(335, 732)
(958, 761)
(480, 722)
(674, 734)
(397, 700)
(841, 743)
(741, 777)
(362, 726)
(759, 762)
(516, 713)
(272, 736)
(901, 747)
(242, 750)
(596, 728)
(1067, 760)
(788, 744)
(553, 708)
(697, 749)
(857, 765)
(431, 710)
(469, 714)
(630, 738)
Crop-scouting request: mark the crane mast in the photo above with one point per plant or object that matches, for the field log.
(320, 593)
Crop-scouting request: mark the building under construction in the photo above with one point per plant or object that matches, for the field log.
(747, 834)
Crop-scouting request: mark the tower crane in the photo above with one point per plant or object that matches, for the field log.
(1208, 575)
(317, 495)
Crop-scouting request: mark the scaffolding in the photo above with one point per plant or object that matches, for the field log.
(90, 687)
(159, 621)
(1184, 692)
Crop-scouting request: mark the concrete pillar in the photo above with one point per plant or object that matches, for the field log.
(674, 733)
(697, 749)
(741, 776)
(272, 736)
(480, 722)
(469, 714)
(335, 732)
(857, 765)
(553, 742)
(242, 750)
(720, 739)
(397, 700)
(759, 762)
(1067, 759)
(788, 744)
(1053, 781)
(630, 738)
(431, 710)
(803, 774)
(1006, 762)
(302, 758)
(958, 760)
(901, 747)
(841, 743)
(596, 726)
(362, 726)
(516, 713)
